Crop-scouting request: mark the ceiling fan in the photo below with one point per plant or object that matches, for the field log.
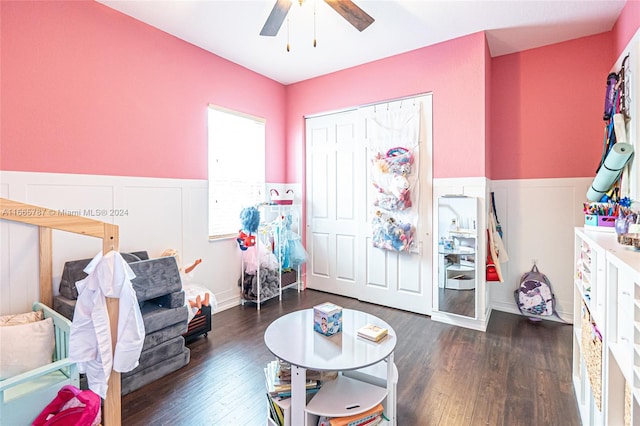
(345, 8)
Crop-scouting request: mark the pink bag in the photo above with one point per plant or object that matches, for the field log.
(71, 407)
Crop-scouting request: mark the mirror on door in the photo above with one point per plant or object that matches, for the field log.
(457, 260)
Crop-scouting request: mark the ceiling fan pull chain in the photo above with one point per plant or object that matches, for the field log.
(314, 24)
(288, 46)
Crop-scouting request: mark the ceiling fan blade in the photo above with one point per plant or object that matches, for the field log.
(352, 13)
(276, 18)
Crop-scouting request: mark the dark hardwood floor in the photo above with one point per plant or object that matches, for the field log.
(517, 373)
(459, 302)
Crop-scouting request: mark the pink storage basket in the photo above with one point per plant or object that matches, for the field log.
(286, 198)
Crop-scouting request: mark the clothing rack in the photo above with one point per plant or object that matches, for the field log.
(46, 220)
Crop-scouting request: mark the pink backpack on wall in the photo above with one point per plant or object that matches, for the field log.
(71, 407)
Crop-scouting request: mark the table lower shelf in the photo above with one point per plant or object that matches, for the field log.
(345, 397)
(352, 393)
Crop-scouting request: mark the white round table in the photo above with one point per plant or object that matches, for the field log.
(292, 338)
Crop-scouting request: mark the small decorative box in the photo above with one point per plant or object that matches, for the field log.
(599, 220)
(591, 219)
(608, 221)
(327, 318)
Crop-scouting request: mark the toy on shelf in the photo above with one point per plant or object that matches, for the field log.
(245, 241)
(250, 219)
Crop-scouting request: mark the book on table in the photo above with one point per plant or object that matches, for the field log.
(372, 332)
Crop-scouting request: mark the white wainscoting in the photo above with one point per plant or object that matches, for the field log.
(538, 217)
(154, 214)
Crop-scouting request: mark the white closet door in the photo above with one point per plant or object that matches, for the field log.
(336, 212)
(342, 259)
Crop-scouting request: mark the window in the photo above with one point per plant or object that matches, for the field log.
(236, 168)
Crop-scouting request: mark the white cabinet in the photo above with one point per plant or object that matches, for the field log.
(606, 338)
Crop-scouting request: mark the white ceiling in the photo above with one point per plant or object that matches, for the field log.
(231, 29)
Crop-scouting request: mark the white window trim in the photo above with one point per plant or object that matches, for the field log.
(240, 160)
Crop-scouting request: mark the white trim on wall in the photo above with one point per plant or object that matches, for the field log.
(538, 217)
(153, 214)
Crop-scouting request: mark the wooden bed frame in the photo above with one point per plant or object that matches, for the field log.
(46, 220)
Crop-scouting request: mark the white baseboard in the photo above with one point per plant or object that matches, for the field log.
(513, 309)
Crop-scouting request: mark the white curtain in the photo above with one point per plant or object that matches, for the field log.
(393, 143)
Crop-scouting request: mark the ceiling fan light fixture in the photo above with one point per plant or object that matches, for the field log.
(345, 8)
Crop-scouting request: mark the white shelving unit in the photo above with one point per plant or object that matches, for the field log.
(606, 373)
(607, 284)
(269, 213)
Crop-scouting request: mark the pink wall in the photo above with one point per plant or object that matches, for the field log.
(453, 71)
(546, 110)
(86, 89)
(547, 104)
(488, 69)
(626, 26)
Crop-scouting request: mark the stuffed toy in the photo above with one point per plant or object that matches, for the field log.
(388, 183)
(393, 192)
(396, 161)
(390, 234)
(250, 219)
(245, 241)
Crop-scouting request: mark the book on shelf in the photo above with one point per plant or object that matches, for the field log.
(279, 409)
(372, 332)
(284, 373)
(368, 418)
(276, 413)
(278, 387)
